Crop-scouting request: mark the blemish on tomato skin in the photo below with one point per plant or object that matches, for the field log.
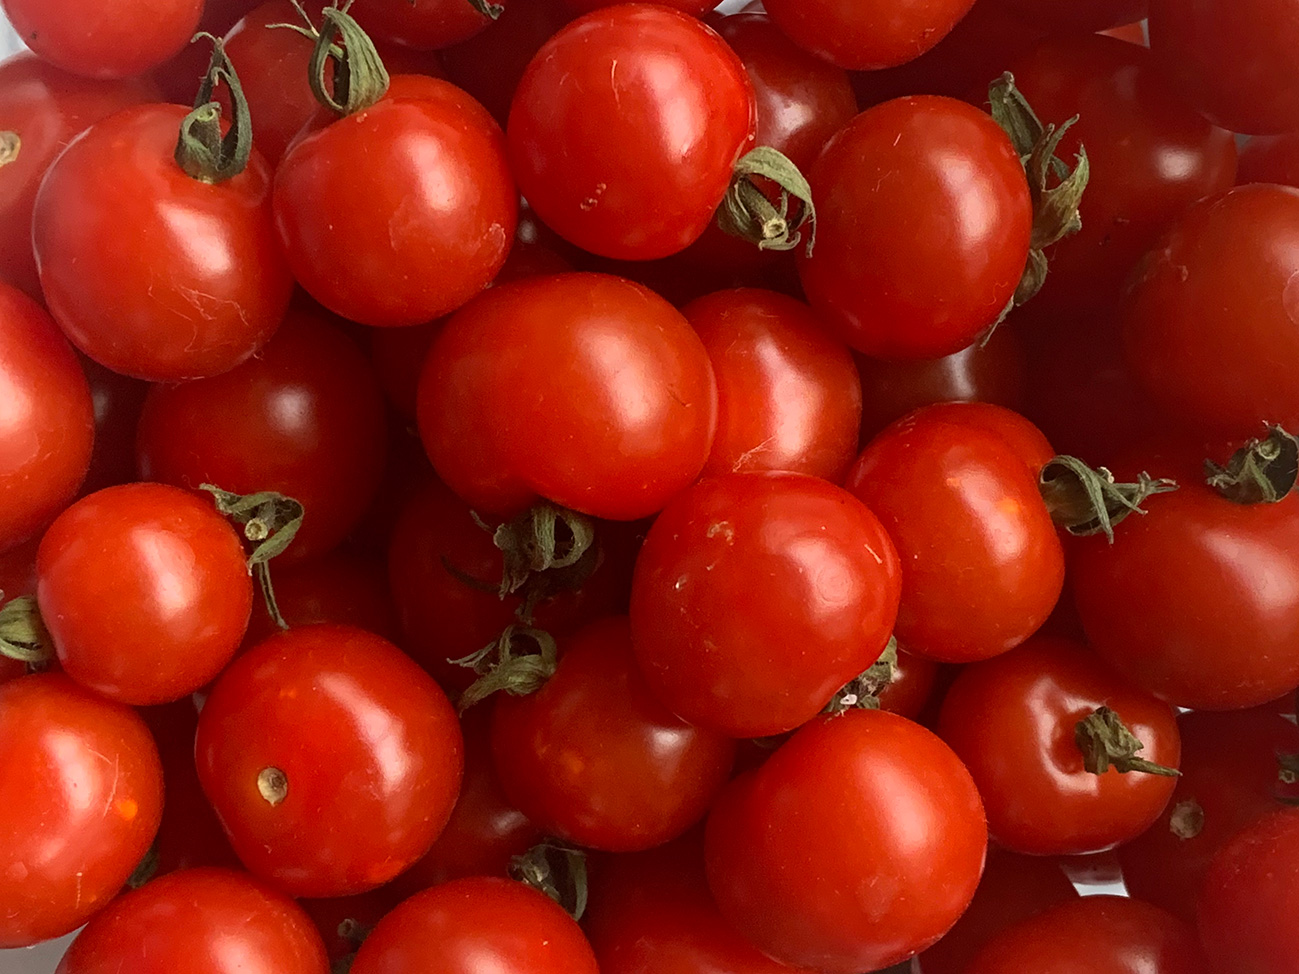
(127, 808)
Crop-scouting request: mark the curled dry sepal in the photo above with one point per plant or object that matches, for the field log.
(359, 78)
(1106, 742)
(1261, 472)
(557, 870)
(1086, 501)
(547, 549)
(202, 151)
(504, 665)
(747, 212)
(270, 522)
(23, 636)
(863, 693)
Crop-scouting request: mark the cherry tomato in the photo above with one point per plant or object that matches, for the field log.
(80, 801)
(145, 591)
(1027, 441)
(469, 926)
(117, 400)
(47, 426)
(17, 578)
(628, 105)
(1070, 15)
(225, 921)
(696, 8)
(428, 24)
(856, 845)
(911, 687)
(1270, 159)
(332, 760)
(866, 35)
(913, 261)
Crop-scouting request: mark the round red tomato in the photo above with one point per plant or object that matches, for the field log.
(429, 24)
(1070, 15)
(695, 7)
(914, 679)
(867, 34)
(332, 760)
(80, 801)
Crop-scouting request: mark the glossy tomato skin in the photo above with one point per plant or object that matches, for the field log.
(866, 35)
(756, 596)
(228, 922)
(585, 389)
(82, 798)
(1012, 720)
(1027, 442)
(1270, 159)
(117, 400)
(1082, 18)
(425, 26)
(627, 104)
(912, 260)
(304, 418)
(145, 591)
(47, 428)
(468, 925)
(368, 743)
(857, 844)
(696, 8)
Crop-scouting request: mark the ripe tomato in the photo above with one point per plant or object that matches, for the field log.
(914, 679)
(47, 426)
(467, 926)
(17, 578)
(118, 400)
(857, 844)
(866, 35)
(80, 801)
(757, 596)
(429, 24)
(1027, 441)
(626, 105)
(1014, 721)
(332, 760)
(228, 922)
(145, 591)
(911, 261)
(696, 8)
(1069, 15)
(1270, 159)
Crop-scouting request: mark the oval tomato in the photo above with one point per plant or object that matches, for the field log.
(866, 34)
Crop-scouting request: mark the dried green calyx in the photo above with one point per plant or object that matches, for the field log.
(1086, 501)
(519, 662)
(1261, 472)
(270, 522)
(747, 213)
(23, 635)
(202, 151)
(557, 870)
(1106, 742)
(863, 693)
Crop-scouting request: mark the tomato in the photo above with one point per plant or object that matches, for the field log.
(911, 687)
(1014, 719)
(695, 7)
(227, 922)
(913, 261)
(856, 845)
(428, 24)
(469, 926)
(81, 797)
(145, 591)
(304, 418)
(1095, 935)
(866, 35)
(1070, 15)
(332, 760)
(630, 104)
(630, 403)
(757, 596)
(117, 400)
(1027, 441)
(17, 578)
(1270, 159)
(47, 427)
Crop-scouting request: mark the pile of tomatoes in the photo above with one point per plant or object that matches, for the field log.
(558, 486)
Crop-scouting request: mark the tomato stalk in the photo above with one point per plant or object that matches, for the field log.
(557, 870)
(863, 693)
(484, 7)
(23, 635)
(1261, 472)
(11, 144)
(1106, 742)
(747, 213)
(1086, 501)
(202, 151)
(359, 76)
(501, 667)
(544, 539)
(270, 521)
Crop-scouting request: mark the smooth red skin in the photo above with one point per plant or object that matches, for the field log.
(912, 686)
(360, 913)
(758, 595)
(696, 8)
(214, 919)
(1070, 15)
(983, 564)
(81, 793)
(145, 592)
(1012, 721)
(1095, 935)
(1013, 888)
(115, 39)
(424, 26)
(369, 744)
(47, 428)
(627, 104)
(857, 844)
(1019, 433)
(867, 35)
(117, 401)
(1270, 159)
(584, 389)
(788, 393)
(392, 249)
(305, 418)
(923, 229)
(474, 925)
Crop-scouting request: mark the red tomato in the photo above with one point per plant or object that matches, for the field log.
(332, 760)
(1270, 159)
(1071, 15)
(626, 105)
(47, 426)
(867, 34)
(428, 24)
(1027, 441)
(469, 926)
(923, 230)
(228, 922)
(856, 845)
(117, 400)
(913, 684)
(1013, 722)
(696, 8)
(80, 801)
(17, 578)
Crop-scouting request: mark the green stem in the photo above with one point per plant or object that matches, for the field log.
(23, 635)
(863, 693)
(359, 76)
(501, 667)
(557, 870)
(1106, 742)
(748, 214)
(1086, 501)
(1261, 472)
(202, 151)
(488, 9)
(270, 521)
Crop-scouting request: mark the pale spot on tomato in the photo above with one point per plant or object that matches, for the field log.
(127, 808)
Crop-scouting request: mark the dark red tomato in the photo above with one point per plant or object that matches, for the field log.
(474, 925)
(1233, 63)
(345, 921)
(1013, 721)
(117, 401)
(332, 760)
(17, 578)
(225, 921)
(1095, 935)
(305, 418)
(788, 394)
(1013, 888)
(584, 389)
(628, 104)
(984, 565)
(867, 34)
(145, 592)
(47, 427)
(923, 230)
(912, 686)
(757, 596)
(426, 25)
(1270, 159)
(1134, 33)
(1071, 15)
(80, 801)
(43, 110)
(696, 8)
(393, 248)
(856, 845)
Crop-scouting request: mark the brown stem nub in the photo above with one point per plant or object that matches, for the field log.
(1086, 501)
(557, 870)
(270, 521)
(1261, 472)
(1106, 742)
(863, 693)
(23, 635)
(273, 785)
(202, 151)
(747, 213)
(1186, 820)
(11, 144)
(488, 9)
(502, 667)
(359, 77)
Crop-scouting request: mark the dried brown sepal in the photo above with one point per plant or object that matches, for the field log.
(1106, 742)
